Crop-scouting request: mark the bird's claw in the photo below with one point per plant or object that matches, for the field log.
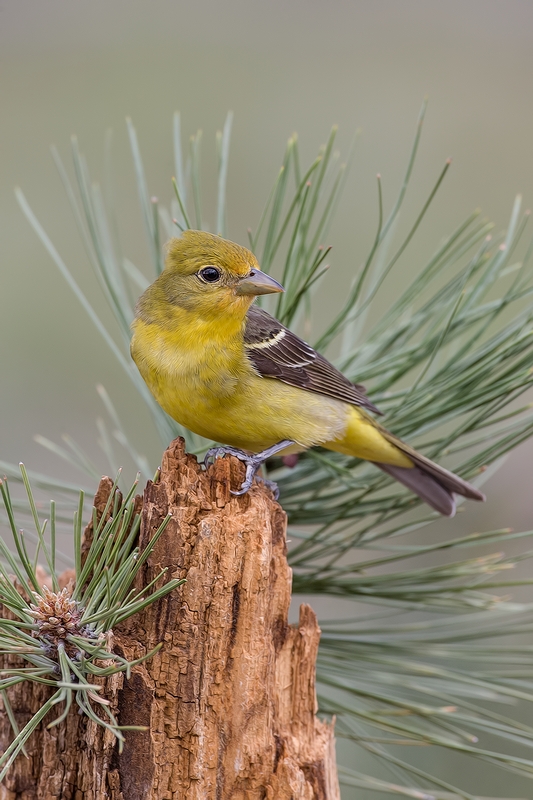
(218, 452)
(252, 463)
(272, 485)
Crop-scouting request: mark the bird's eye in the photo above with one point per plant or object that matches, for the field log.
(209, 274)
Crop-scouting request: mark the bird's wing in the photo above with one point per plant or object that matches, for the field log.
(276, 352)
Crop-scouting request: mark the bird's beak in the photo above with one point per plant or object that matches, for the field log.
(256, 283)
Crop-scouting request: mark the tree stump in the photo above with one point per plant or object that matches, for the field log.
(229, 702)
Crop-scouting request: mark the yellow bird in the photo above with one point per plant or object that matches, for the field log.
(227, 370)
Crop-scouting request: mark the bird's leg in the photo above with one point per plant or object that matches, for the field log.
(252, 462)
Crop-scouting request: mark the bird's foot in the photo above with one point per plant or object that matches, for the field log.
(252, 463)
(272, 485)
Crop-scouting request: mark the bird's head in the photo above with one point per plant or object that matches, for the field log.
(212, 276)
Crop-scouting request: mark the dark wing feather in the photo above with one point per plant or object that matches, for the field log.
(276, 352)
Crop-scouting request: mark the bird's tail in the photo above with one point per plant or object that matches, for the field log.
(436, 492)
(436, 486)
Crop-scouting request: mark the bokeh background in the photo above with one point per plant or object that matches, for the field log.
(281, 66)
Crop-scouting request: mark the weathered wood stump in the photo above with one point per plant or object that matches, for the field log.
(229, 702)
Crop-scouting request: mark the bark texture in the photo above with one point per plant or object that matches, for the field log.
(229, 702)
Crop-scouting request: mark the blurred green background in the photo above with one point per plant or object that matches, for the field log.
(299, 65)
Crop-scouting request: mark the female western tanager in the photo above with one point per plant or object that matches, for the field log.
(229, 371)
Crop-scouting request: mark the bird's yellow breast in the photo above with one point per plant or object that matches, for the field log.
(187, 362)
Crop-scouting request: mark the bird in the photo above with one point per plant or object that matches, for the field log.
(226, 369)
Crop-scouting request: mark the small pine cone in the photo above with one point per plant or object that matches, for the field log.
(56, 616)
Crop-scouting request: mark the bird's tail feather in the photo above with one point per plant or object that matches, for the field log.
(431, 482)
(425, 486)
